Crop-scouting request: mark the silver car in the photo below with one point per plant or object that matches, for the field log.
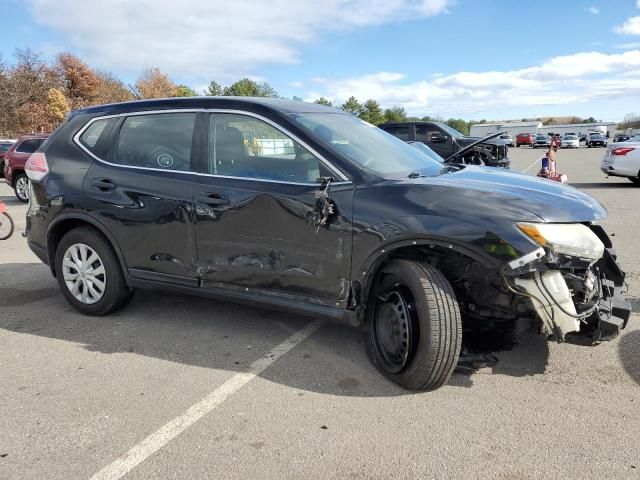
(570, 140)
(622, 159)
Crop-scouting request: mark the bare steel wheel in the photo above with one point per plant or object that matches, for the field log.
(84, 273)
(6, 226)
(394, 328)
(415, 328)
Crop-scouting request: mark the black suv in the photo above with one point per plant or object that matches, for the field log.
(290, 204)
(452, 145)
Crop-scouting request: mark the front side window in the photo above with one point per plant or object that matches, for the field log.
(244, 146)
(429, 134)
(29, 146)
(162, 141)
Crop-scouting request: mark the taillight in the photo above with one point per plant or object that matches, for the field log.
(622, 150)
(36, 167)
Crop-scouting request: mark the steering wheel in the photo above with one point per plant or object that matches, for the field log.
(166, 158)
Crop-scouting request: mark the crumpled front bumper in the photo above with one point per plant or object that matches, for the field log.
(554, 305)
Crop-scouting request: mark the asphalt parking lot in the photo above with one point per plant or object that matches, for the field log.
(180, 387)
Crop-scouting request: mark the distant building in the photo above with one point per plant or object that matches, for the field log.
(514, 128)
(484, 129)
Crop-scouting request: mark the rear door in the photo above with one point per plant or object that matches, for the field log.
(258, 216)
(140, 187)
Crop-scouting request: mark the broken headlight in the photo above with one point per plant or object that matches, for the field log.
(573, 239)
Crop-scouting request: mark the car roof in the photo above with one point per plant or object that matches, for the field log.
(281, 105)
(32, 135)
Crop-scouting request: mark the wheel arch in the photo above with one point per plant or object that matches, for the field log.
(70, 221)
(422, 248)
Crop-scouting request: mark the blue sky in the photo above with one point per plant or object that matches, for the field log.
(493, 59)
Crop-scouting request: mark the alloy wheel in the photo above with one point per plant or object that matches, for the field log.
(84, 273)
(22, 188)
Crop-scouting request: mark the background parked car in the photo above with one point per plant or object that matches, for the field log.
(508, 139)
(525, 139)
(570, 140)
(5, 145)
(622, 159)
(542, 140)
(596, 140)
(15, 158)
(621, 137)
(446, 141)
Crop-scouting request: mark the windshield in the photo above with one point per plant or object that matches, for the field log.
(367, 145)
(421, 147)
(569, 136)
(541, 137)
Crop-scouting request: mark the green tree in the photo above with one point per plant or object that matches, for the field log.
(214, 89)
(352, 105)
(395, 114)
(323, 101)
(248, 88)
(297, 99)
(459, 124)
(372, 112)
(184, 91)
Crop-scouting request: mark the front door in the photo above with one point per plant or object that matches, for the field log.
(259, 221)
(141, 190)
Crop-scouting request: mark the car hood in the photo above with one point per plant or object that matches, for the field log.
(512, 192)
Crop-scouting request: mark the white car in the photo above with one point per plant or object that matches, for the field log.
(570, 141)
(622, 159)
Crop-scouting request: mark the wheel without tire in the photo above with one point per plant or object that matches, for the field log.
(89, 273)
(21, 187)
(415, 328)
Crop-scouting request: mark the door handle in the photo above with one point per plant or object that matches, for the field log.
(104, 185)
(213, 199)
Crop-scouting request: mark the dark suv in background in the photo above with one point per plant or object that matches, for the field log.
(14, 161)
(296, 205)
(447, 141)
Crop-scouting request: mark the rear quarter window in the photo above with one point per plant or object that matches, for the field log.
(94, 135)
(29, 145)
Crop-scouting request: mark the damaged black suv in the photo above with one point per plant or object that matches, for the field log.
(297, 205)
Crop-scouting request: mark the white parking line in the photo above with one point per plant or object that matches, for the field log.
(147, 447)
(535, 162)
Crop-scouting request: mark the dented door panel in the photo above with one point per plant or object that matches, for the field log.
(265, 235)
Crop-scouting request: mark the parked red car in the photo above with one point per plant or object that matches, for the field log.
(525, 139)
(14, 161)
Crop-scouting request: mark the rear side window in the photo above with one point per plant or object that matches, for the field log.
(161, 141)
(29, 146)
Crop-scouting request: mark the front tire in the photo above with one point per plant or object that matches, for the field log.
(415, 327)
(635, 180)
(21, 187)
(89, 273)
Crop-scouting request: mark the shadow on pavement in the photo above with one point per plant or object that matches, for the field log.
(629, 352)
(206, 333)
(603, 185)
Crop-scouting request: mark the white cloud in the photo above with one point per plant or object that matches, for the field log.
(638, 3)
(631, 26)
(566, 80)
(628, 46)
(593, 10)
(295, 84)
(211, 38)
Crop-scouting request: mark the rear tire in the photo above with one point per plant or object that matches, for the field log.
(635, 180)
(415, 327)
(21, 187)
(102, 277)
